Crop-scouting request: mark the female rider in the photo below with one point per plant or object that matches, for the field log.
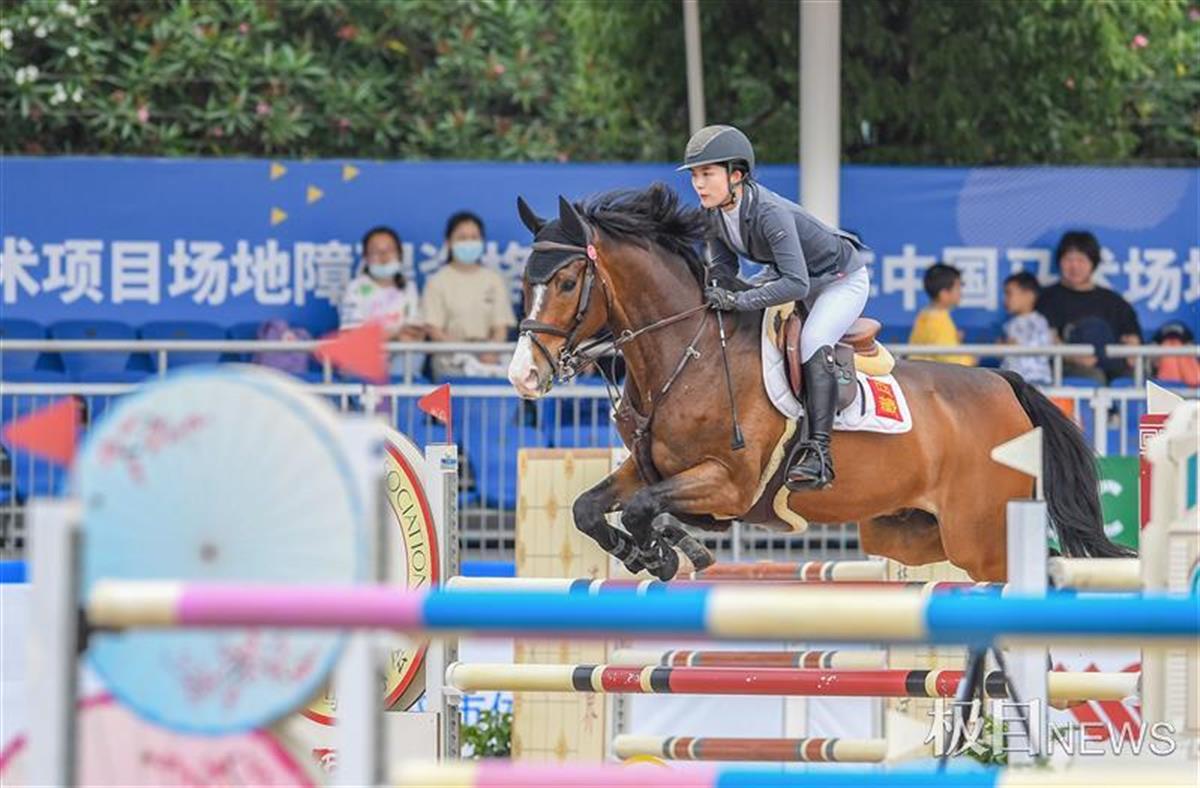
(811, 262)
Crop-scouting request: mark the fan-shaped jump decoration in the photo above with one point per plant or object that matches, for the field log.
(117, 748)
(414, 564)
(221, 474)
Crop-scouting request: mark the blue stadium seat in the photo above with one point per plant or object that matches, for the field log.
(106, 367)
(586, 436)
(32, 375)
(591, 410)
(493, 460)
(242, 332)
(183, 329)
(491, 431)
(1079, 382)
(19, 360)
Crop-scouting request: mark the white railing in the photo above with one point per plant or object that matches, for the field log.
(162, 348)
(574, 415)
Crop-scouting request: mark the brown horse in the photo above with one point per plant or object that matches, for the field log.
(626, 261)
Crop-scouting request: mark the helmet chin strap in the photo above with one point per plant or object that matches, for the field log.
(730, 200)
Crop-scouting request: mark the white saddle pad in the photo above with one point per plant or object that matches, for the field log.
(879, 406)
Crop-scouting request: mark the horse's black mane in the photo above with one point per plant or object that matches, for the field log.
(652, 214)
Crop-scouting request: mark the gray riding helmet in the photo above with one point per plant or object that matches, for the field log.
(716, 145)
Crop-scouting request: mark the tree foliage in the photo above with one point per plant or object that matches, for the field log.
(924, 81)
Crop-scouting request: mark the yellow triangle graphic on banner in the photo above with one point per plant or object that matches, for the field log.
(349, 172)
(278, 216)
(277, 170)
(313, 194)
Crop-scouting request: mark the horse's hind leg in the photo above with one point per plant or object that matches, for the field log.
(974, 532)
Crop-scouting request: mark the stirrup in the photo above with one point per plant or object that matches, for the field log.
(806, 480)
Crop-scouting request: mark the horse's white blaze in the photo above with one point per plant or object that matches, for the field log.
(522, 366)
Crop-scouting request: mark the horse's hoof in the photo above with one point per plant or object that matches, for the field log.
(634, 563)
(667, 565)
(699, 555)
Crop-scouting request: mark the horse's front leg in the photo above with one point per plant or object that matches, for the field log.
(592, 506)
(707, 488)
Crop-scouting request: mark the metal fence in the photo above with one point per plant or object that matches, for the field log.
(491, 425)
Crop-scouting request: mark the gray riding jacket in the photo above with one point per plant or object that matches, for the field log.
(804, 252)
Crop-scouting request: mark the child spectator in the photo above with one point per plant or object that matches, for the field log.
(467, 302)
(934, 326)
(1027, 328)
(380, 292)
(1183, 370)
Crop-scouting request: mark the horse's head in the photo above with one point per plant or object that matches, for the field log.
(564, 299)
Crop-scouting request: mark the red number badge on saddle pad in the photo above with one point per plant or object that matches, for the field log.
(886, 406)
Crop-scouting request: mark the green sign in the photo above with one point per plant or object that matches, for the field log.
(1119, 498)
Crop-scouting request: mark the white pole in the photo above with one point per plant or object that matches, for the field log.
(820, 107)
(358, 713)
(440, 479)
(356, 678)
(1027, 666)
(54, 540)
(695, 64)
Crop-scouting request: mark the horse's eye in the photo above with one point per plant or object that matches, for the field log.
(566, 286)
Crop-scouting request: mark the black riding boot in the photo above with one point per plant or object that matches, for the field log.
(814, 468)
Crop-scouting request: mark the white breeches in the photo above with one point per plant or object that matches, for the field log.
(832, 309)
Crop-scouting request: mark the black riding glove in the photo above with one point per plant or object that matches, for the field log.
(720, 298)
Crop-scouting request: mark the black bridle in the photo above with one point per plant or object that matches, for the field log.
(572, 356)
(566, 365)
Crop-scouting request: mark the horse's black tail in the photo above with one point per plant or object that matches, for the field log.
(1070, 480)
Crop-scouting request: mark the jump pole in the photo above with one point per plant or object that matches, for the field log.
(1063, 687)
(812, 658)
(733, 614)
(717, 748)
(484, 774)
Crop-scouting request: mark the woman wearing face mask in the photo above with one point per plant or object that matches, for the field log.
(380, 292)
(467, 302)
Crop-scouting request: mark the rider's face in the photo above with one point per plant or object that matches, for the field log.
(711, 182)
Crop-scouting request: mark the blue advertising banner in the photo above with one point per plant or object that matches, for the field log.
(229, 241)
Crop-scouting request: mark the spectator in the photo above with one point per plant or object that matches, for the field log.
(934, 326)
(380, 292)
(1027, 328)
(1183, 370)
(1080, 311)
(467, 302)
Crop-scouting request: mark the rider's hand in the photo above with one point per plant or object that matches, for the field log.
(720, 298)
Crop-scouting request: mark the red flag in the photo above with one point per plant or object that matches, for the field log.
(358, 351)
(437, 404)
(47, 432)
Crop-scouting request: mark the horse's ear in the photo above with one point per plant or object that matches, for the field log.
(528, 217)
(572, 223)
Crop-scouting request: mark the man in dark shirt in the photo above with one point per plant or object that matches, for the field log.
(1079, 311)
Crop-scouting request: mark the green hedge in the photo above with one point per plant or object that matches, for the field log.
(938, 81)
